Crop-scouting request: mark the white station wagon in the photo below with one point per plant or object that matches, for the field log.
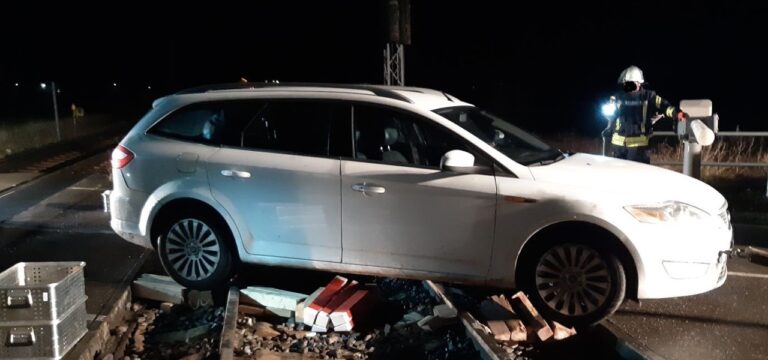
(407, 182)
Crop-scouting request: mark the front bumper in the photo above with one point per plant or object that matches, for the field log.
(679, 261)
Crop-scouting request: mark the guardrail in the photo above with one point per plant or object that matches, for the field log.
(723, 164)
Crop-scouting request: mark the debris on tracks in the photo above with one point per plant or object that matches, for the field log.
(158, 288)
(516, 325)
(165, 321)
(384, 319)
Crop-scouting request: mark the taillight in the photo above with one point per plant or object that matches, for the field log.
(121, 157)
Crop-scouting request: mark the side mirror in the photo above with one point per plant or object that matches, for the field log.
(460, 161)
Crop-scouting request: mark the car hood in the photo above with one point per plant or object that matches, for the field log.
(633, 182)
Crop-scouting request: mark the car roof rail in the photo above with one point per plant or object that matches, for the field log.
(375, 89)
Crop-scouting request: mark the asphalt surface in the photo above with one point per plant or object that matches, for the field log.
(730, 322)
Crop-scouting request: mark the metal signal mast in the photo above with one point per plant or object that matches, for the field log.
(399, 35)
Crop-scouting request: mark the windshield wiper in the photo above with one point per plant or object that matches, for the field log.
(559, 157)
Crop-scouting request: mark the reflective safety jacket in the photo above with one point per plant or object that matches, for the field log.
(632, 122)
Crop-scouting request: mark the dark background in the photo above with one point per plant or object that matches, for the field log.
(546, 65)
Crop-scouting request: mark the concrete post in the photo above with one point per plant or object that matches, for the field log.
(692, 160)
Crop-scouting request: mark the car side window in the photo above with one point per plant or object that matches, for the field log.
(196, 123)
(300, 127)
(213, 123)
(395, 137)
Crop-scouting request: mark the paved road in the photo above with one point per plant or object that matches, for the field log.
(728, 323)
(59, 218)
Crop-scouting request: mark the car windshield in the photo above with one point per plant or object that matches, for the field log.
(509, 139)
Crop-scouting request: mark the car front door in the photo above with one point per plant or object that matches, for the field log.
(279, 178)
(400, 211)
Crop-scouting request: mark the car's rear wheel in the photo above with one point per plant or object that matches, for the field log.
(194, 248)
(575, 284)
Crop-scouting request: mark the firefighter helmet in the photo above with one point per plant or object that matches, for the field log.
(632, 73)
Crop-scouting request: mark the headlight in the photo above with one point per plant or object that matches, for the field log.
(667, 212)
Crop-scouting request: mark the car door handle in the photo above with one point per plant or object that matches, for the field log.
(369, 188)
(236, 173)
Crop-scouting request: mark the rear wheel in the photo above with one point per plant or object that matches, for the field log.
(194, 249)
(573, 283)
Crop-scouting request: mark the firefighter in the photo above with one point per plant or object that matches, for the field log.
(632, 114)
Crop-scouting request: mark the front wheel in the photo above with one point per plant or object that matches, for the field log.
(572, 283)
(194, 250)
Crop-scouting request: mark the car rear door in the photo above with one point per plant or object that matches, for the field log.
(278, 175)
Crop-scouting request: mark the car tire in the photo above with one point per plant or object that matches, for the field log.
(194, 248)
(573, 283)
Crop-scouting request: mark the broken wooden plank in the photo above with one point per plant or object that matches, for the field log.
(476, 331)
(312, 308)
(303, 305)
(324, 316)
(561, 332)
(499, 329)
(502, 300)
(530, 316)
(484, 342)
(354, 310)
(517, 330)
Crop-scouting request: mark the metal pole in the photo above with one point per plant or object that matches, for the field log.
(401, 63)
(603, 138)
(692, 160)
(55, 110)
(388, 64)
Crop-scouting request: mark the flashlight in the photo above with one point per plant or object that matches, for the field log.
(609, 109)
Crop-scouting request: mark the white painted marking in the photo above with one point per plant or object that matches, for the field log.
(84, 188)
(742, 274)
(8, 193)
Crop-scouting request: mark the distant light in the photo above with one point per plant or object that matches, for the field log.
(43, 86)
(149, 87)
(114, 84)
(16, 84)
(609, 109)
(58, 91)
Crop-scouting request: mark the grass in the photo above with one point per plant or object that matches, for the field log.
(17, 136)
(744, 188)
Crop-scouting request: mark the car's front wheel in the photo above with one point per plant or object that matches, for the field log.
(194, 249)
(573, 283)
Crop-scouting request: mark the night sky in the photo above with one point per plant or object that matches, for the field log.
(546, 66)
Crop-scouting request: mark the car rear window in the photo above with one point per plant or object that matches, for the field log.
(304, 127)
